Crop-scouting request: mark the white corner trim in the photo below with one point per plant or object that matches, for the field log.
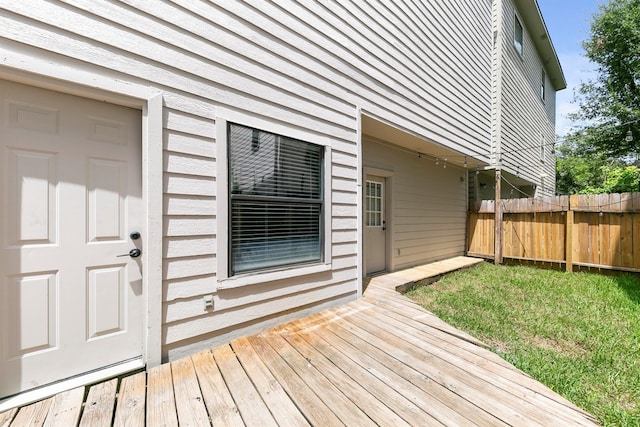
(222, 201)
(359, 207)
(152, 182)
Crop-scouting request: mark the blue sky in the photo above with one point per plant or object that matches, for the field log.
(568, 23)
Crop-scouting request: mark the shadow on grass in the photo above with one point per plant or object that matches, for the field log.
(630, 285)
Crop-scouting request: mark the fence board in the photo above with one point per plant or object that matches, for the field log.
(605, 230)
(626, 240)
(605, 239)
(614, 240)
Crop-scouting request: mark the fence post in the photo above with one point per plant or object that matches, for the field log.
(498, 218)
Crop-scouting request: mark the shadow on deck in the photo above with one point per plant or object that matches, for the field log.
(381, 360)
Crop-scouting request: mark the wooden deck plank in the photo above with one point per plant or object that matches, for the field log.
(7, 416)
(251, 406)
(386, 391)
(520, 385)
(425, 322)
(442, 403)
(189, 401)
(359, 392)
(161, 404)
(270, 390)
(313, 408)
(130, 406)
(332, 396)
(65, 408)
(434, 321)
(33, 414)
(98, 408)
(466, 383)
(380, 360)
(220, 405)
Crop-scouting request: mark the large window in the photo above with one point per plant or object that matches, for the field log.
(518, 36)
(276, 200)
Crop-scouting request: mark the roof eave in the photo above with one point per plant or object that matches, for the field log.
(530, 13)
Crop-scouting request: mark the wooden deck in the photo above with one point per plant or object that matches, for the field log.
(381, 360)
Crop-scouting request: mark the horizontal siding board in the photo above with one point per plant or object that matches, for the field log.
(189, 185)
(189, 165)
(344, 236)
(344, 197)
(176, 247)
(175, 204)
(188, 287)
(343, 210)
(189, 226)
(186, 306)
(180, 142)
(189, 266)
(205, 324)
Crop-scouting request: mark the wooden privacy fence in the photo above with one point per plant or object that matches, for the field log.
(599, 230)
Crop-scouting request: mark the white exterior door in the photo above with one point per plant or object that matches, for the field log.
(70, 195)
(375, 225)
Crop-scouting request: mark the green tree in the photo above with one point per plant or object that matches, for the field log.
(612, 99)
(578, 165)
(598, 156)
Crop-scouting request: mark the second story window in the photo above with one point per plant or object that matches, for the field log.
(543, 85)
(518, 36)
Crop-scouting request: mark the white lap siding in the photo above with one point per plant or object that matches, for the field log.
(423, 66)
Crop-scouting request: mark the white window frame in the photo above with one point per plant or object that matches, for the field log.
(543, 149)
(543, 85)
(518, 44)
(223, 278)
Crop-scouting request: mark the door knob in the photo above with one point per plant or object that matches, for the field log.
(133, 253)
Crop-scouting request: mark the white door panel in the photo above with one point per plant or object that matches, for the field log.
(375, 225)
(69, 197)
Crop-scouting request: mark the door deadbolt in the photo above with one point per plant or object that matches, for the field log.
(134, 235)
(133, 253)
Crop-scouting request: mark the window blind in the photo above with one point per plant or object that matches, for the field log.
(276, 200)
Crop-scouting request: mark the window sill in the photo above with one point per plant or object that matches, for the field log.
(270, 276)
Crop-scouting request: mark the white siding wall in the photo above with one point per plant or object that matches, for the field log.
(423, 66)
(429, 205)
(525, 119)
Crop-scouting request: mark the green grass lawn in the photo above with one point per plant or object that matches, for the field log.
(577, 333)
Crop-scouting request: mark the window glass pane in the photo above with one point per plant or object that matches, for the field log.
(274, 166)
(517, 36)
(266, 234)
(275, 200)
(373, 204)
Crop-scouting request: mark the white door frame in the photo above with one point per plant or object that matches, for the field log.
(388, 209)
(38, 72)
